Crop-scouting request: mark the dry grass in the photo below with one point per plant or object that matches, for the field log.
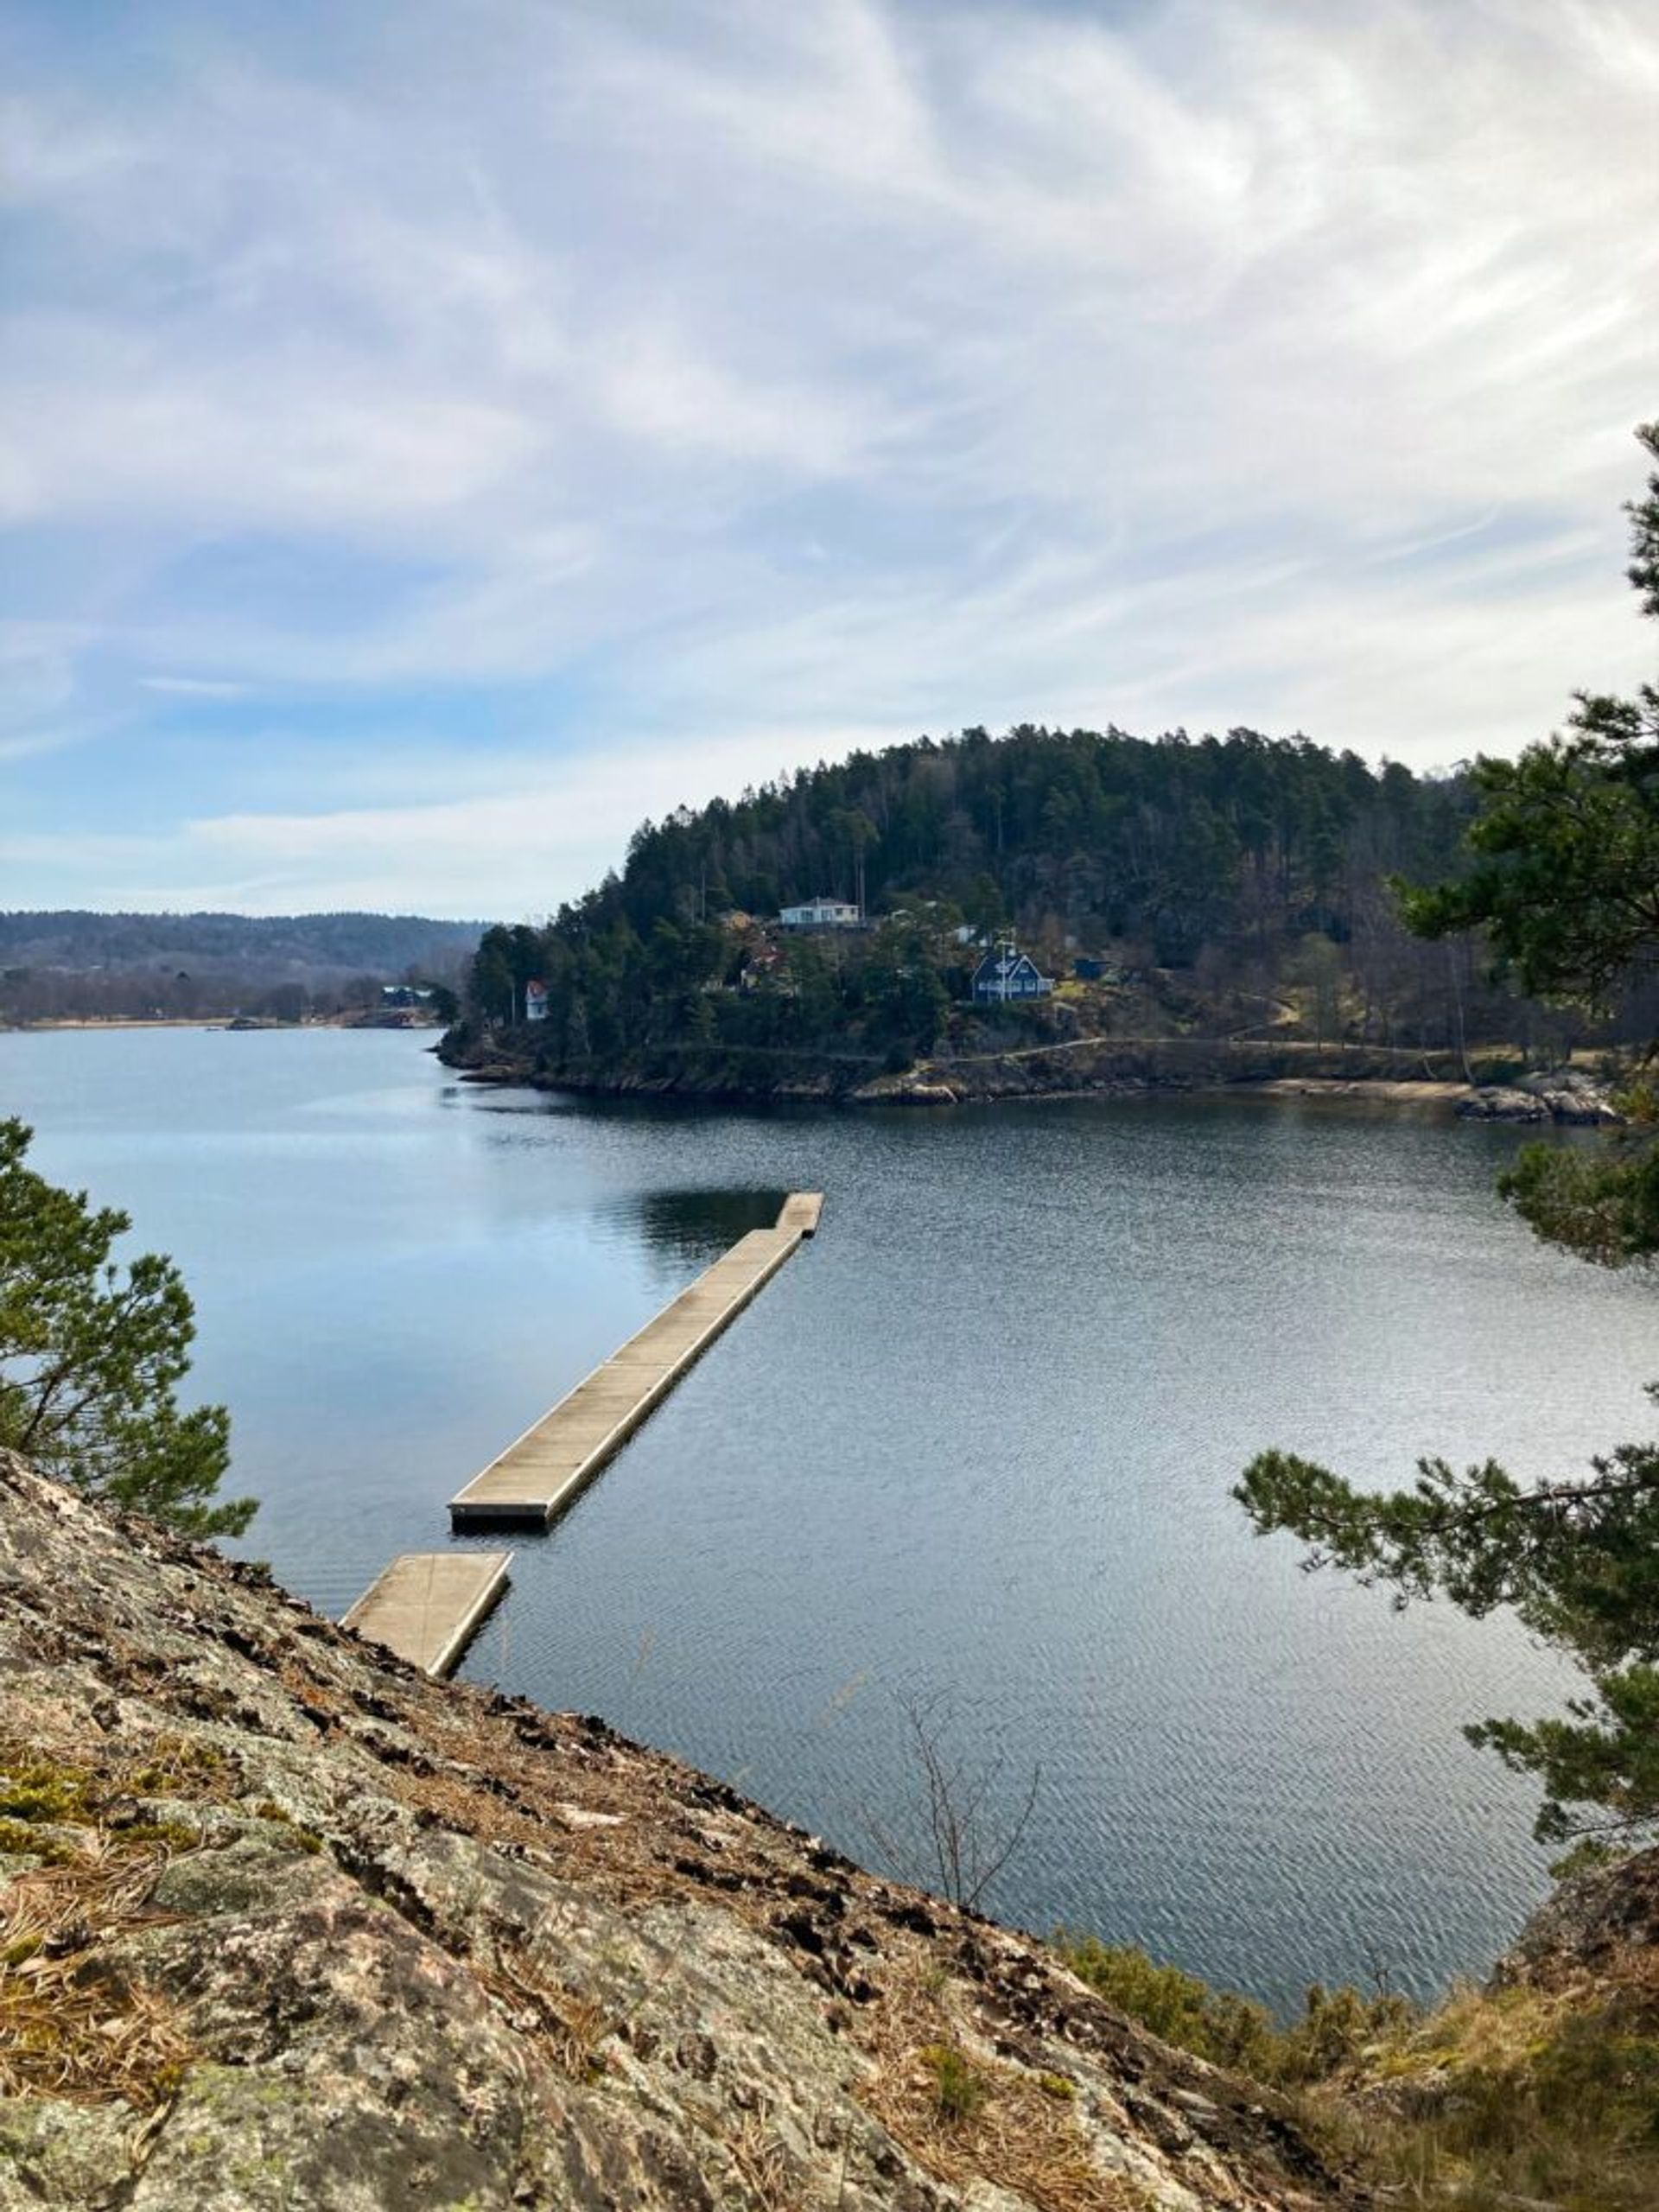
(1498, 2033)
(961, 2116)
(572, 2025)
(1528, 2097)
(73, 2024)
(179, 1766)
(70, 2027)
(1524, 2097)
(762, 2161)
(51, 1801)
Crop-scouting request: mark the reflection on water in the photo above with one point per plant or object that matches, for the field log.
(978, 1436)
(696, 1226)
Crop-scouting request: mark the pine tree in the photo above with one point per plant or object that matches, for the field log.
(90, 1355)
(1565, 884)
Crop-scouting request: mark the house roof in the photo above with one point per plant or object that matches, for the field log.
(999, 963)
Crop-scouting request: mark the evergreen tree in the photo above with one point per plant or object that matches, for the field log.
(1565, 885)
(90, 1355)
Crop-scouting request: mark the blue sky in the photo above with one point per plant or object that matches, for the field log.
(433, 437)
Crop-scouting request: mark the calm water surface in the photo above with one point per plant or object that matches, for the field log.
(977, 1440)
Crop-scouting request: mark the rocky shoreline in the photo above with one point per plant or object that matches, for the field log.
(1565, 1095)
(1091, 1067)
(283, 1923)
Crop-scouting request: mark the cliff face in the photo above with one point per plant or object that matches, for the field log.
(284, 1924)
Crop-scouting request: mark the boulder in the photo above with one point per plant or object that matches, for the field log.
(1495, 1103)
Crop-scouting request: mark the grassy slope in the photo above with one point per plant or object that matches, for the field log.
(1541, 2091)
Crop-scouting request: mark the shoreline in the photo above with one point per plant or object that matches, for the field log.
(756, 1078)
(1424, 1091)
(1490, 1084)
(940, 1084)
(60, 1024)
(117, 1021)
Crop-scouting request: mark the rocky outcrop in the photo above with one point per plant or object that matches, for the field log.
(1495, 1102)
(1566, 1096)
(285, 1924)
(1600, 1927)
(910, 1089)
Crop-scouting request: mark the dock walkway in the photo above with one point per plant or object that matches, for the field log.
(533, 1479)
(427, 1606)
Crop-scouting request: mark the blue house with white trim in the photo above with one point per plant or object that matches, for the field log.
(1007, 973)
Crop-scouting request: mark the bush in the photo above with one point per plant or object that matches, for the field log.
(1213, 2024)
(1337, 2025)
(958, 2089)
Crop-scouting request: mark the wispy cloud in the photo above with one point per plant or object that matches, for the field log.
(525, 839)
(637, 378)
(193, 687)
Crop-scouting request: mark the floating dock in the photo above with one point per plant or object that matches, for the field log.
(535, 1478)
(427, 1606)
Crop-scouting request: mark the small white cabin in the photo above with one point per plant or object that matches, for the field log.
(821, 915)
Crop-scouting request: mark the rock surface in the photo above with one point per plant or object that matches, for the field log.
(283, 1924)
(1599, 1927)
(1567, 1095)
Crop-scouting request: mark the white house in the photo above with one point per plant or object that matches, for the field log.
(1007, 973)
(821, 914)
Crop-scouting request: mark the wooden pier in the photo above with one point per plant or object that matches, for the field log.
(427, 1606)
(533, 1479)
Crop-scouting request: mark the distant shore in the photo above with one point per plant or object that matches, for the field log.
(117, 1021)
(242, 1024)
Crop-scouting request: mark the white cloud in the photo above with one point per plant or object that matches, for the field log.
(193, 687)
(862, 364)
(516, 849)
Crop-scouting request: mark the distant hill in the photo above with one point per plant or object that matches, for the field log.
(343, 943)
(1172, 888)
(75, 962)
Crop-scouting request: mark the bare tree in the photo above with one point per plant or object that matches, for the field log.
(962, 1842)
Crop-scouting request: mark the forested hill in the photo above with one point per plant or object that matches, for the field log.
(1172, 843)
(76, 962)
(1217, 883)
(76, 938)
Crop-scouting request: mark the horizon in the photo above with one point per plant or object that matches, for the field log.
(430, 447)
(543, 917)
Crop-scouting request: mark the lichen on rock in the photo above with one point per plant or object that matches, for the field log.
(359, 1939)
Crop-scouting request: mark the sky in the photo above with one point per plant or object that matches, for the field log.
(435, 435)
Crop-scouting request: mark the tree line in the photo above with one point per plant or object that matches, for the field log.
(1244, 880)
(72, 964)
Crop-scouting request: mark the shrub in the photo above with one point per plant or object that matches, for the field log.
(1232, 2031)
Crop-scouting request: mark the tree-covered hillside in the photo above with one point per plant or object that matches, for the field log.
(74, 938)
(76, 962)
(1222, 883)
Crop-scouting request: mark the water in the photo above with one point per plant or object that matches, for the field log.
(975, 1442)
